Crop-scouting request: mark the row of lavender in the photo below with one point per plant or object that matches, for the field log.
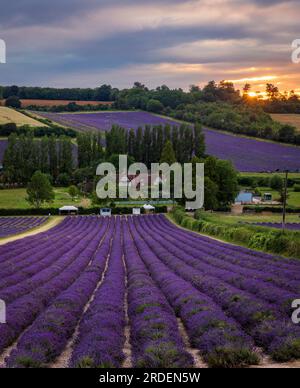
(70, 285)
(14, 225)
(290, 226)
(248, 155)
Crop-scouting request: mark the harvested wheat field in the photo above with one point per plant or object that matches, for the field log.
(8, 115)
(291, 119)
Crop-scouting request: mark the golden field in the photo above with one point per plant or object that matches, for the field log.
(291, 119)
(8, 115)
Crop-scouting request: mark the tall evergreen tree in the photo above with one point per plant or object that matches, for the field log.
(44, 155)
(146, 146)
(199, 141)
(168, 154)
(53, 157)
(138, 152)
(130, 143)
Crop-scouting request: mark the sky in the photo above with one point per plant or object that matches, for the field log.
(76, 43)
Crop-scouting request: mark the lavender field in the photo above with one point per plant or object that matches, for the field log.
(103, 121)
(247, 155)
(3, 145)
(14, 225)
(291, 226)
(94, 287)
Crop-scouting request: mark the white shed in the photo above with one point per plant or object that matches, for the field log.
(68, 210)
(105, 212)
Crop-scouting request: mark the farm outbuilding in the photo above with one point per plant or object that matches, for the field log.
(244, 198)
(69, 210)
(105, 212)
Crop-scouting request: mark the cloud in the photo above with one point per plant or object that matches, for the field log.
(158, 41)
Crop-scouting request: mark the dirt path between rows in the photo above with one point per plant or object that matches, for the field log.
(127, 363)
(53, 221)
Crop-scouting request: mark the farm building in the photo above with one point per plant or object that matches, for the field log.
(244, 198)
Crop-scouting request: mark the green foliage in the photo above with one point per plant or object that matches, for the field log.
(216, 105)
(168, 154)
(24, 155)
(221, 183)
(90, 150)
(9, 128)
(276, 183)
(210, 194)
(13, 102)
(73, 192)
(63, 180)
(155, 106)
(39, 190)
(255, 237)
(225, 357)
(297, 188)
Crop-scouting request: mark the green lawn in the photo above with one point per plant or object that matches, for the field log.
(293, 197)
(16, 199)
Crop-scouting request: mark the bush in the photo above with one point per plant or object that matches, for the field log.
(154, 106)
(255, 237)
(297, 188)
(276, 182)
(63, 180)
(272, 209)
(13, 102)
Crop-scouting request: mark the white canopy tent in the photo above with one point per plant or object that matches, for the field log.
(68, 210)
(148, 207)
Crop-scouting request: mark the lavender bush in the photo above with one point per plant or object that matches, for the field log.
(14, 225)
(267, 323)
(69, 283)
(101, 333)
(154, 332)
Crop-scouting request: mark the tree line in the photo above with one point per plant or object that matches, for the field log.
(102, 93)
(146, 145)
(218, 105)
(64, 160)
(25, 155)
(64, 163)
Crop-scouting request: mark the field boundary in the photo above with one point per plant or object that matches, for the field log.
(262, 239)
(53, 221)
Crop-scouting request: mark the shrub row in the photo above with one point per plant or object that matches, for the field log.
(82, 211)
(274, 241)
(262, 181)
(9, 128)
(272, 209)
